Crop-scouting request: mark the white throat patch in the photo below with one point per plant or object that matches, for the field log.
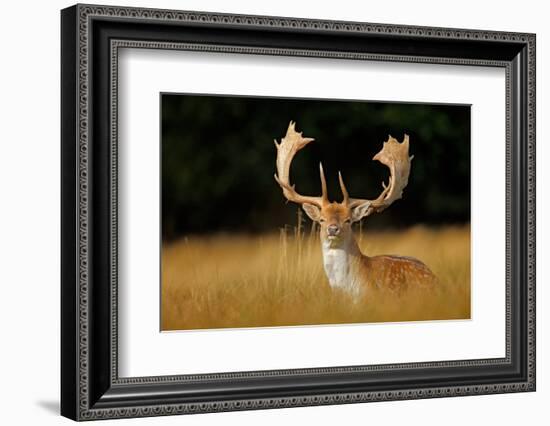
(336, 261)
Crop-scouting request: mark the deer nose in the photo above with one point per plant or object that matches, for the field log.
(333, 230)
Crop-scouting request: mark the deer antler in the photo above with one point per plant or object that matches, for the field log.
(286, 150)
(395, 155)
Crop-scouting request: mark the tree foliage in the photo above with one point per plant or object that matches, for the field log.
(218, 160)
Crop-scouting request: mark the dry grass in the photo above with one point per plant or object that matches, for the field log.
(278, 280)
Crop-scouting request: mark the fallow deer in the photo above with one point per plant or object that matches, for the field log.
(346, 267)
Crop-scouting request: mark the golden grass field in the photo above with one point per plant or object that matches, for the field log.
(278, 280)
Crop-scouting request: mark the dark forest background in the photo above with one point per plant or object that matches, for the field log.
(218, 160)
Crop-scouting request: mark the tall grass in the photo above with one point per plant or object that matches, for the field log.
(278, 279)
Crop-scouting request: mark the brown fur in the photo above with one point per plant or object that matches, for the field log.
(397, 274)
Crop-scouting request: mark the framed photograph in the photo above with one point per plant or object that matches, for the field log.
(263, 212)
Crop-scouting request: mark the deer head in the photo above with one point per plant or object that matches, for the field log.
(335, 218)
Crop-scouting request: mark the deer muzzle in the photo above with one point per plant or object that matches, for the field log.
(333, 230)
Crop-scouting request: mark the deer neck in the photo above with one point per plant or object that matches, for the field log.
(340, 260)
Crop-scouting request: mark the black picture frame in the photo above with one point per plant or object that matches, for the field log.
(90, 38)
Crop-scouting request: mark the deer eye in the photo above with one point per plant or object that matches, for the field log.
(321, 220)
(347, 221)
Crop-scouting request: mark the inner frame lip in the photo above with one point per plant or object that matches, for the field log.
(115, 45)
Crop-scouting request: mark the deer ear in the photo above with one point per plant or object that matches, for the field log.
(312, 211)
(360, 211)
